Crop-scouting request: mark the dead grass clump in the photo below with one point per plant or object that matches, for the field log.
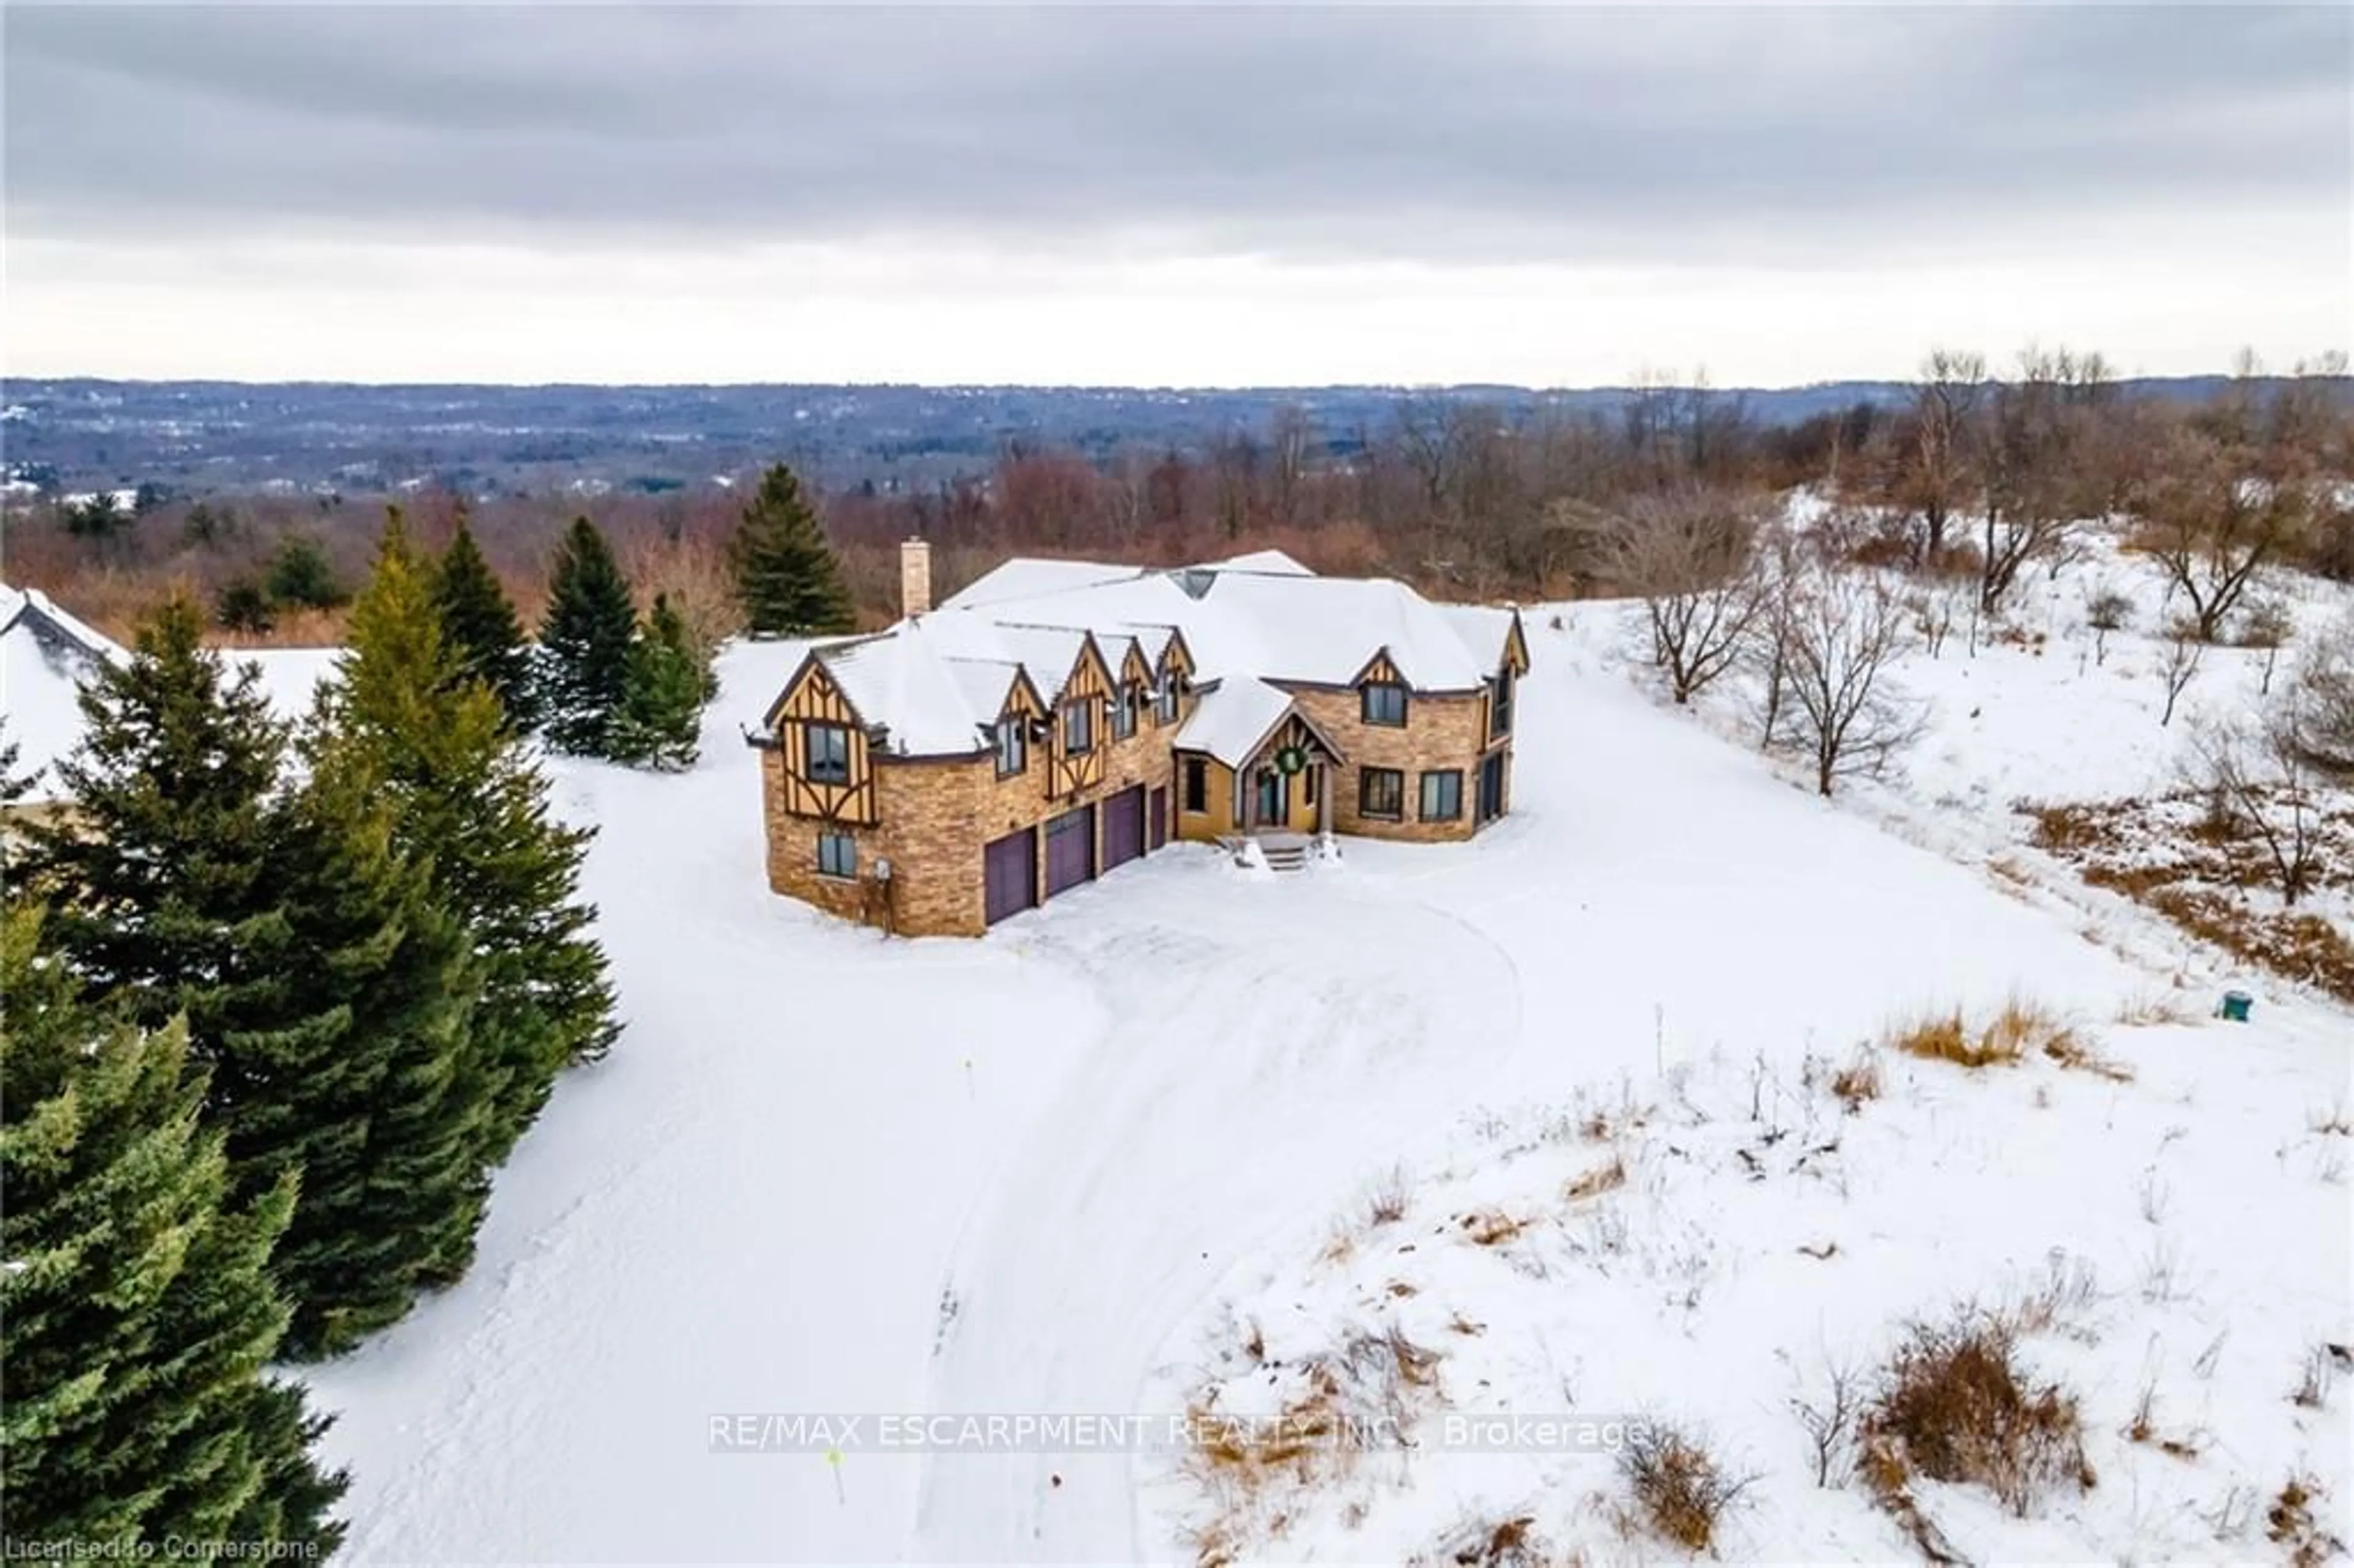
(2289, 1523)
(2330, 1123)
(2143, 1429)
(1678, 1489)
(1954, 1406)
(1857, 1081)
(2002, 1039)
(1511, 1543)
(1389, 1198)
(1490, 1227)
(2317, 1374)
(2071, 1052)
(1596, 1182)
(2152, 1008)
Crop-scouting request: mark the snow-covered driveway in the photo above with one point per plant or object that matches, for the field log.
(1264, 1039)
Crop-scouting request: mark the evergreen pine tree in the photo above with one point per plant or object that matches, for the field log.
(467, 795)
(660, 721)
(584, 643)
(325, 991)
(786, 575)
(363, 1079)
(162, 897)
(139, 1313)
(480, 626)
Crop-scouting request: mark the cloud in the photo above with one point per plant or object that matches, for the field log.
(1672, 137)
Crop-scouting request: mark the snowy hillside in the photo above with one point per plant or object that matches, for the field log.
(1059, 1170)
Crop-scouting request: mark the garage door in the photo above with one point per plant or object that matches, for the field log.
(1123, 827)
(1010, 874)
(1070, 850)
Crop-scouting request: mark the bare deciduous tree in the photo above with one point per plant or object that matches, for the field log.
(2211, 524)
(1830, 1422)
(2320, 701)
(1934, 477)
(2259, 774)
(2181, 664)
(2033, 478)
(1841, 632)
(1691, 555)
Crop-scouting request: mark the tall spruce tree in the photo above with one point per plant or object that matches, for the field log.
(787, 576)
(584, 643)
(325, 989)
(141, 1314)
(468, 795)
(480, 626)
(163, 897)
(660, 722)
(363, 1080)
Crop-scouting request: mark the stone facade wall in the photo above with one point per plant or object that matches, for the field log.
(1440, 732)
(935, 817)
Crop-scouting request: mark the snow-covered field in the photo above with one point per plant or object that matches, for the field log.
(1121, 1157)
(1060, 1169)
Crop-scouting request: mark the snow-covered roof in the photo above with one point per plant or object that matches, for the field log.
(936, 681)
(1230, 722)
(45, 653)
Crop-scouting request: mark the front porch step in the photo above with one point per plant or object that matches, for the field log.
(1278, 850)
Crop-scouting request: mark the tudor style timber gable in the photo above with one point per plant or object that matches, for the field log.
(1088, 690)
(814, 703)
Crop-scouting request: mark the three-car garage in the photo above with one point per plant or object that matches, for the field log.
(1024, 869)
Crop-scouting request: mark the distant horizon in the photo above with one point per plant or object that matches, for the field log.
(1995, 373)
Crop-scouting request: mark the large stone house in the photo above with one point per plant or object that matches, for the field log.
(1059, 718)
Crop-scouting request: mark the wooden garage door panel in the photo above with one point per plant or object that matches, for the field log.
(1123, 827)
(1010, 874)
(1070, 850)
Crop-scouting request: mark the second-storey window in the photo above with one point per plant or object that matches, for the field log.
(1123, 714)
(1079, 727)
(1500, 703)
(1384, 703)
(829, 753)
(1197, 785)
(1170, 690)
(1012, 745)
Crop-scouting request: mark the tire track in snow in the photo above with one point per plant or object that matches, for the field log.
(1267, 1047)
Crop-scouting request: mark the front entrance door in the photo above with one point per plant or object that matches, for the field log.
(1274, 799)
(1491, 788)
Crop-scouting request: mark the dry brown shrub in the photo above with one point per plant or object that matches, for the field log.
(1596, 1182)
(2290, 1524)
(1509, 1542)
(1954, 1406)
(1678, 1490)
(2071, 1052)
(2017, 1028)
(1857, 1081)
(2152, 1008)
(1490, 1227)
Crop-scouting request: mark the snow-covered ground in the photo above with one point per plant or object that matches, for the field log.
(1066, 1169)
(1047, 1173)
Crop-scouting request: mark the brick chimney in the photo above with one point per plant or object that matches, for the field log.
(915, 576)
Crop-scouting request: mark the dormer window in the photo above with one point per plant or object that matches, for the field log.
(1079, 727)
(1500, 705)
(1012, 745)
(1123, 713)
(1171, 687)
(1385, 703)
(829, 753)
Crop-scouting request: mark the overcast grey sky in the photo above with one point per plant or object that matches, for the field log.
(1166, 195)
